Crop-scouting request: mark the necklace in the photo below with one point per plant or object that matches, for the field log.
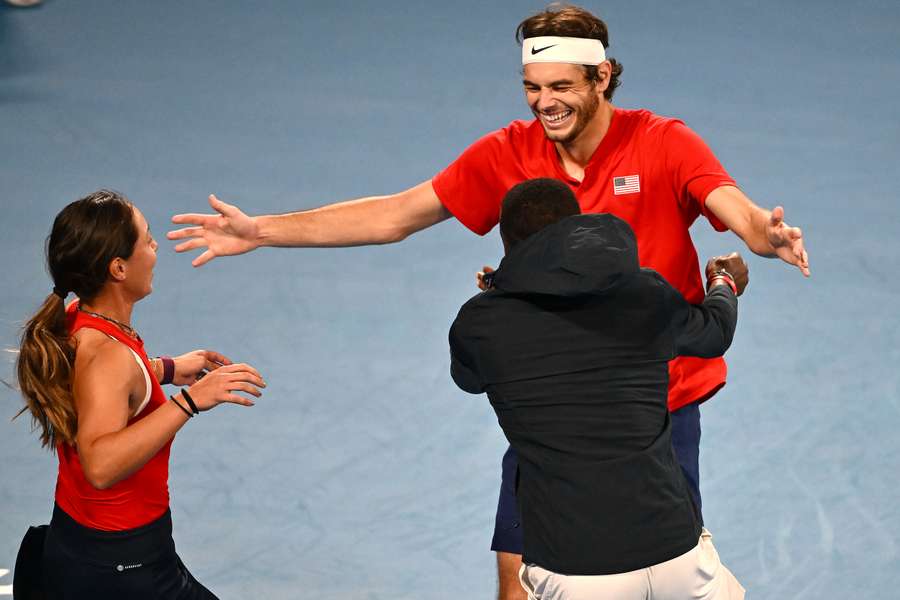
(118, 324)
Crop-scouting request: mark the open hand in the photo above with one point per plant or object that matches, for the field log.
(221, 384)
(227, 233)
(787, 241)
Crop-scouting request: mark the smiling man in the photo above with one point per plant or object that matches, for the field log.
(653, 172)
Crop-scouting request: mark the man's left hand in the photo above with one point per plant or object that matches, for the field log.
(787, 241)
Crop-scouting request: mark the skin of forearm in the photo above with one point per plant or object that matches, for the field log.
(372, 220)
(747, 220)
(755, 237)
(112, 457)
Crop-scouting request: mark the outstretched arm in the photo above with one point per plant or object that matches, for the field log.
(372, 220)
(764, 232)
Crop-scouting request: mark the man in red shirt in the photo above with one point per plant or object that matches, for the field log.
(653, 172)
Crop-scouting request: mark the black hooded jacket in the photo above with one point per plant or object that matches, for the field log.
(572, 347)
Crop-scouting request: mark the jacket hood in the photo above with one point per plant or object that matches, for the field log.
(580, 255)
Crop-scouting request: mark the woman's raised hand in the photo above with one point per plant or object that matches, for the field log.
(220, 385)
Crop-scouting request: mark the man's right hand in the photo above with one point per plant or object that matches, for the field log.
(228, 233)
(735, 266)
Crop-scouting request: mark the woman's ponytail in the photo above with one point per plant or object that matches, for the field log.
(44, 370)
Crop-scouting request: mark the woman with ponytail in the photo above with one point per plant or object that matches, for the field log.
(97, 400)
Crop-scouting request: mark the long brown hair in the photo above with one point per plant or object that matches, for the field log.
(86, 236)
(572, 21)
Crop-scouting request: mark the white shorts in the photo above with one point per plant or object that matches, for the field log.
(695, 575)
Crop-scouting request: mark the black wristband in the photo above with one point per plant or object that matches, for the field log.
(190, 401)
(178, 404)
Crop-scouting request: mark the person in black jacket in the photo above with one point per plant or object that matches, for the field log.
(571, 345)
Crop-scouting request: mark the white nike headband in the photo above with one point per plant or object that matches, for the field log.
(552, 49)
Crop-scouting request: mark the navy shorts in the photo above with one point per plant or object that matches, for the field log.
(685, 442)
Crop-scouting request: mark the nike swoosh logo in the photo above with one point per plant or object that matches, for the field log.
(536, 50)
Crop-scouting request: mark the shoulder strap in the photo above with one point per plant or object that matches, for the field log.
(147, 382)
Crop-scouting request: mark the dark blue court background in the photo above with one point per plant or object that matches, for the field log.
(363, 472)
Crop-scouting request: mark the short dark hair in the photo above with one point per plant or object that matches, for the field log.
(532, 205)
(572, 21)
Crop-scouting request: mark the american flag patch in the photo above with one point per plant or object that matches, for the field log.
(629, 184)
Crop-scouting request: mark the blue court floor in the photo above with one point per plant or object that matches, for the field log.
(363, 473)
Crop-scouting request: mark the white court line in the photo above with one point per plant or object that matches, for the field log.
(5, 590)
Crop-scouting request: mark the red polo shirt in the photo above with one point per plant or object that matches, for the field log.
(651, 171)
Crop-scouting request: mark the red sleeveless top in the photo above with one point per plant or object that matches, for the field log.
(141, 498)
